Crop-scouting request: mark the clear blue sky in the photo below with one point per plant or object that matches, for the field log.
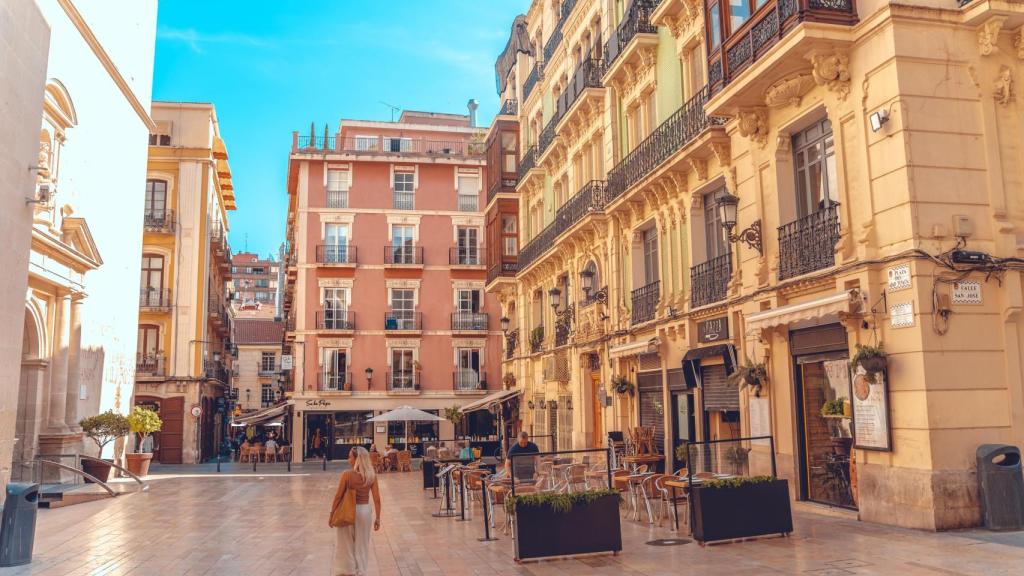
(271, 67)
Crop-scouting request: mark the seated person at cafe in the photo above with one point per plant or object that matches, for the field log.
(271, 445)
(373, 448)
(466, 452)
(430, 452)
(389, 450)
(525, 467)
(444, 453)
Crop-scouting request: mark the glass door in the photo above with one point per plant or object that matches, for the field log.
(402, 245)
(683, 424)
(826, 439)
(336, 243)
(468, 375)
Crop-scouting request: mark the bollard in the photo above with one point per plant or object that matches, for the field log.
(485, 500)
(218, 462)
(325, 462)
(289, 463)
(462, 495)
(254, 463)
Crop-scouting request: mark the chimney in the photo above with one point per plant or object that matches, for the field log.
(472, 112)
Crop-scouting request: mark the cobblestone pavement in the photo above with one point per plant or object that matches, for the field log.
(275, 523)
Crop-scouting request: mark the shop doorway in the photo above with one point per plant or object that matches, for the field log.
(683, 424)
(318, 435)
(827, 470)
(597, 410)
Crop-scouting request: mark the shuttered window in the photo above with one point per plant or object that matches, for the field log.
(564, 423)
(652, 407)
(718, 395)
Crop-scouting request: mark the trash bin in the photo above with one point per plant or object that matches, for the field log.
(1001, 484)
(18, 531)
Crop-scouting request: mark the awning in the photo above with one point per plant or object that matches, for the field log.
(691, 361)
(488, 401)
(260, 416)
(848, 301)
(634, 348)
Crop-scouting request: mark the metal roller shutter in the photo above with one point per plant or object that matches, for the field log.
(718, 395)
(650, 393)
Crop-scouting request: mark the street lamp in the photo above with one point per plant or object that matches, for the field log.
(587, 281)
(726, 205)
(504, 324)
(556, 298)
(369, 377)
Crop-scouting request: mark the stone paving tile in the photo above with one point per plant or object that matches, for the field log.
(275, 523)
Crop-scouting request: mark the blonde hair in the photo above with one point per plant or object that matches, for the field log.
(363, 465)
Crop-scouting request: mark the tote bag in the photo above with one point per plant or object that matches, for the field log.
(344, 514)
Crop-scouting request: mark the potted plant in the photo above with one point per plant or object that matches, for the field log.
(737, 456)
(102, 429)
(454, 415)
(536, 338)
(509, 380)
(622, 385)
(752, 374)
(142, 422)
(740, 507)
(682, 454)
(871, 358)
(551, 524)
(838, 408)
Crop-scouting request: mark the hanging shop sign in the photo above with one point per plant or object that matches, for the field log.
(871, 426)
(713, 330)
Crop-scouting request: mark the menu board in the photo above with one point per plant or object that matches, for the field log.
(871, 412)
(760, 419)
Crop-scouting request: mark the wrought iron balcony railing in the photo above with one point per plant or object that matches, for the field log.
(153, 298)
(809, 243)
(335, 320)
(386, 145)
(645, 302)
(150, 365)
(511, 343)
(709, 280)
(528, 162)
(267, 369)
(159, 220)
(337, 254)
(403, 200)
(502, 269)
(556, 36)
(509, 107)
(469, 380)
(547, 136)
(671, 136)
(587, 75)
(469, 321)
(403, 254)
(403, 320)
(334, 381)
(464, 256)
(563, 326)
(535, 76)
(591, 198)
(402, 381)
(337, 198)
(636, 21)
(215, 370)
(468, 203)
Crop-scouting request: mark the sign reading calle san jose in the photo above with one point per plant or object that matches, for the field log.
(713, 329)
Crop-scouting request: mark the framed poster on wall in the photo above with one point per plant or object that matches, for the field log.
(872, 428)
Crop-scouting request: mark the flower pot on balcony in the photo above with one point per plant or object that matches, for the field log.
(138, 463)
(97, 469)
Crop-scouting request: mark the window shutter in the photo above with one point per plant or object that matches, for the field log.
(468, 185)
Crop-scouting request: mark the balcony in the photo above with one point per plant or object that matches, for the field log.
(769, 24)
(337, 255)
(556, 35)
(465, 256)
(267, 369)
(502, 269)
(337, 198)
(161, 221)
(385, 146)
(527, 162)
(468, 203)
(336, 320)
(547, 136)
(509, 107)
(403, 255)
(635, 25)
(563, 326)
(151, 299)
(591, 198)
(149, 365)
(585, 83)
(469, 322)
(809, 243)
(403, 382)
(537, 340)
(674, 134)
(334, 381)
(469, 381)
(709, 280)
(645, 303)
(511, 343)
(535, 76)
(403, 321)
(215, 370)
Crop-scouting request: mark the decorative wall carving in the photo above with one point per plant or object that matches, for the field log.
(988, 35)
(1002, 90)
(753, 124)
(1018, 42)
(700, 167)
(832, 70)
(788, 91)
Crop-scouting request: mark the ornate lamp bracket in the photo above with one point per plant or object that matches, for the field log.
(750, 236)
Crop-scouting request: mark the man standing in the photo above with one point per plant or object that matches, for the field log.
(525, 467)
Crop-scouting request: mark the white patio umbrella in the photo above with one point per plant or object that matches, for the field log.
(406, 414)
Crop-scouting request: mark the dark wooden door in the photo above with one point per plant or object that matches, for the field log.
(172, 412)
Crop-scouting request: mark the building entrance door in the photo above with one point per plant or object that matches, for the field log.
(598, 410)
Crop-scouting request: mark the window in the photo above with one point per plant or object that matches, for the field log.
(467, 247)
(366, 143)
(335, 368)
(259, 270)
(469, 194)
(152, 274)
(262, 296)
(467, 374)
(156, 201)
(467, 306)
(739, 12)
(336, 309)
(814, 157)
(402, 369)
(509, 236)
(509, 162)
(149, 342)
(338, 182)
(714, 27)
(403, 309)
(267, 394)
(262, 283)
(398, 144)
(268, 362)
(468, 300)
(404, 190)
(159, 139)
(336, 243)
(714, 234)
(403, 251)
(650, 247)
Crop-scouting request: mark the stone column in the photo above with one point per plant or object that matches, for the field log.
(59, 367)
(74, 350)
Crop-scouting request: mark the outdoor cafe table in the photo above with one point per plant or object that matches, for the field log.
(636, 460)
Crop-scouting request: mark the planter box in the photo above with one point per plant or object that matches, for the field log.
(744, 512)
(138, 463)
(541, 532)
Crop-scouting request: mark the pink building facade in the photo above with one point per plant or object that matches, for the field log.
(384, 297)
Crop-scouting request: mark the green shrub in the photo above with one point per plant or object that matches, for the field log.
(736, 482)
(143, 422)
(104, 428)
(561, 503)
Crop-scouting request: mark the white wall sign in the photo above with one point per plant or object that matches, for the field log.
(967, 292)
(760, 419)
(286, 362)
(899, 277)
(901, 315)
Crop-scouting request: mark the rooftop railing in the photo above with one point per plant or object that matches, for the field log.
(387, 145)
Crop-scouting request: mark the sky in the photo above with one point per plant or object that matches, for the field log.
(271, 67)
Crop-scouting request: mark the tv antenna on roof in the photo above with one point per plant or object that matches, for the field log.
(393, 109)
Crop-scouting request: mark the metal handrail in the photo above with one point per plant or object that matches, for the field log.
(81, 473)
(119, 468)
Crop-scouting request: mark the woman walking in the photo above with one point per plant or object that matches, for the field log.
(352, 548)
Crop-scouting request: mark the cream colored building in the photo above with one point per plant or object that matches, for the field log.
(184, 319)
(76, 267)
(863, 144)
(257, 373)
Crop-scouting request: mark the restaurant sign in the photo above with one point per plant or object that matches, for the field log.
(713, 330)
